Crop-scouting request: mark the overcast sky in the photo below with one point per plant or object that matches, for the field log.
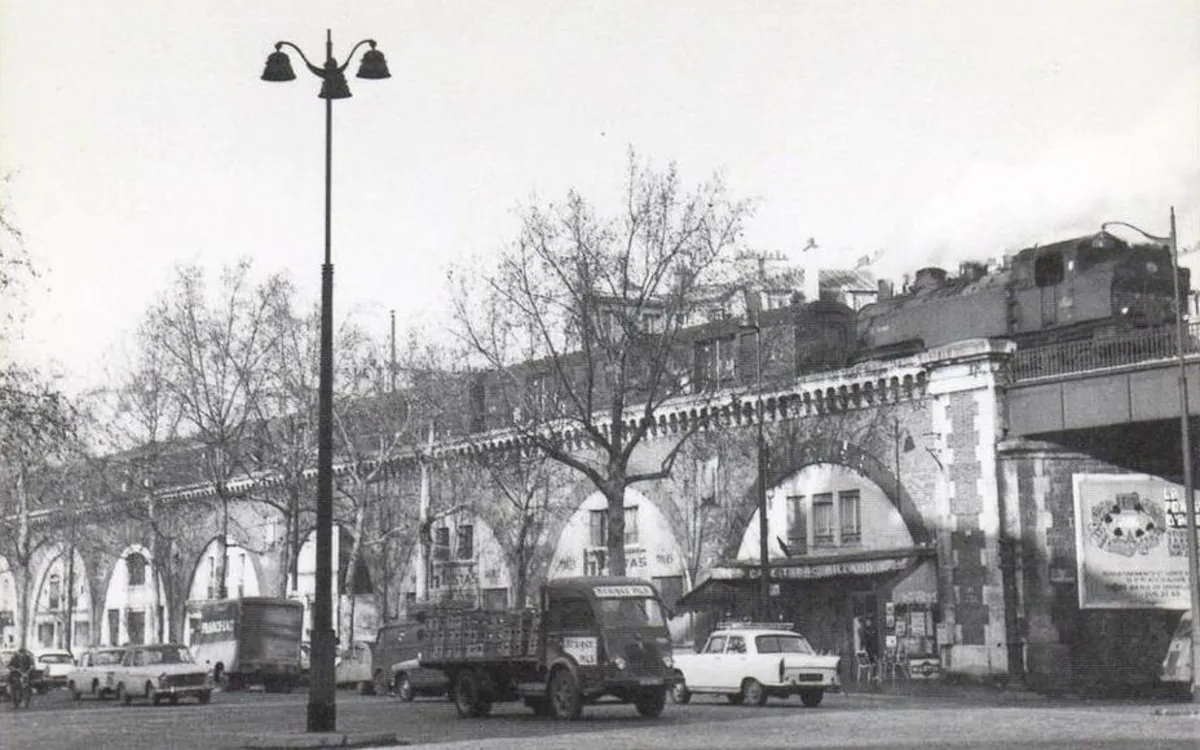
(139, 135)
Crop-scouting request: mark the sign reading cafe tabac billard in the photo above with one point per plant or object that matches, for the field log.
(1130, 542)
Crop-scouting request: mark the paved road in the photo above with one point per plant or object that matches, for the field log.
(850, 721)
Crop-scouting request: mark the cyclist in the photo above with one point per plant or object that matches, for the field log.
(20, 665)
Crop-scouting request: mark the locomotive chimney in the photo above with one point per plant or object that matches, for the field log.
(928, 279)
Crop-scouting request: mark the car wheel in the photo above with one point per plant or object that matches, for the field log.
(753, 692)
(565, 697)
(812, 698)
(123, 697)
(680, 694)
(404, 688)
(75, 694)
(152, 695)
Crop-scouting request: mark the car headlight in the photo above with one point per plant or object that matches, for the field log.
(620, 662)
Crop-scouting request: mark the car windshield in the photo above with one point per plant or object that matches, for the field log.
(783, 644)
(105, 658)
(637, 612)
(167, 655)
(56, 659)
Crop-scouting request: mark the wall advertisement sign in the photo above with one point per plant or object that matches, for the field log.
(1130, 542)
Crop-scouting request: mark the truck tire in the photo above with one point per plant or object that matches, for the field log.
(566, 700)
(469, 698)
(651, 702)
(404, 688)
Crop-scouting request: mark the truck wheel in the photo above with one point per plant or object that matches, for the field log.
(466, 694)
(651, 702)
(812, 698)
(565, 698)
(404, 688)
(753, 692)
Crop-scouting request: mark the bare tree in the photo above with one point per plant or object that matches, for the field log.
(214, 358)
(15, 266)
(375, 424)
(580, 323)
(524, 479)
(38, 443)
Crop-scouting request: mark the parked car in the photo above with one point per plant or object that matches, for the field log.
(352, 668)
(56, 664)
(35, 675)
(161, 672)
(749, 663)
(397, 651)
(93, 674)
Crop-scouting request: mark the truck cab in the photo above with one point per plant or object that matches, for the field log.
(611, 634)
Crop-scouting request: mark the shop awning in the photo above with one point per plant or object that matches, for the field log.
(730, 581)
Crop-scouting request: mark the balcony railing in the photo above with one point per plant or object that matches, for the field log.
(1099, 354)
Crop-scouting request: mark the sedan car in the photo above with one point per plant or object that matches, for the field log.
(55, 664)
(749, 664)
(93, 675)
(161, 672)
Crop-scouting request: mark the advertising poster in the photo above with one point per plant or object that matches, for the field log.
(1130, 542)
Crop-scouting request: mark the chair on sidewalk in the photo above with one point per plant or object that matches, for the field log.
(864, 668)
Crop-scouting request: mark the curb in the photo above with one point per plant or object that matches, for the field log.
(1177, 712)
(285, 740)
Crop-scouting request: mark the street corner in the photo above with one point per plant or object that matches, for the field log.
(289, 740)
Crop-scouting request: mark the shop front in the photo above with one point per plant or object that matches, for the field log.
(880, 606)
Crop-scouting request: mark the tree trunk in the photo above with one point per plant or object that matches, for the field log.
(615, 494)
(223, 547)
(25, 579)
(352, 564)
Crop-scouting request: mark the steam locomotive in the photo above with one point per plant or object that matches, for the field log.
(1094, 287)
(1097, 286)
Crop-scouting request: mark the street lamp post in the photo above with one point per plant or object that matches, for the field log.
(1189, 500)
(322, 707)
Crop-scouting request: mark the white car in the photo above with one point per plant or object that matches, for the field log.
(160, 672)
(55, 664)
(93, 675)
(749, 664)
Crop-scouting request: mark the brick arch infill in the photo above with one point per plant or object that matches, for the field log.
(828, 451)
(584, 488)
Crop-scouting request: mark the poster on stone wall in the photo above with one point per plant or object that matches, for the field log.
(1130, 542)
